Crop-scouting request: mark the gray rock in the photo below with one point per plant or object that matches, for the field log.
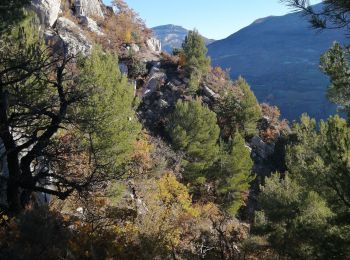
(176, 82)
(154, 44)
(262, 149)
(210, 93)
(90, 8)
(72, 36)
(134, 48)
(47, 10)
(154, 69)
(186, 80)
(162, 103)
(154, 81)
(123, 69)
(91, 25)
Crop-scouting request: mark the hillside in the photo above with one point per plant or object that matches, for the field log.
(172, 36)
(113, 149)
(279, 56)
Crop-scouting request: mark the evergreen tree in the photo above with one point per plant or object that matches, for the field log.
(335, 64)
(293, 218)
(193, 129)
(109, 107)
(239, 114)
(235, 175)
(305, 215)
(11, 13)
(74, 124)
(193, 84)
(251, 111)
(196, 53)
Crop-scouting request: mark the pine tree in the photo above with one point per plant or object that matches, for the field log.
(293, 218)
(335, 64)
(238, 114)
(75, 123)
(11, 13)
(109, 107)
(251, 111)
(196, 53)
(235, 167)
(193, 129)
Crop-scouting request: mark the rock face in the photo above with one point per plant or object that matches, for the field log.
(47, 10)
(90, 8)
(262, 149)
(91, 25)
(72, 37)
(154, 45)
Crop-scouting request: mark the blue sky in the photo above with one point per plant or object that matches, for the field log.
(214, 19)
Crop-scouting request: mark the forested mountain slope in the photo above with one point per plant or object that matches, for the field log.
(279, 57)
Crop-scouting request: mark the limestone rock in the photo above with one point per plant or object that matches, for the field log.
(154, 44)
(134, 48)
(155, 80)
(47, 10)
(210, 93)
(74, 40)
(89, 8)
(91, 25)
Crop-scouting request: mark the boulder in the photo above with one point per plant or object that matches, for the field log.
(47, 10)
(89, 8)
(72, 37)
(154, 44)
(91, 25)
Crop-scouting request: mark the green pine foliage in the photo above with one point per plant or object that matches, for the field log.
(193, 129)
(238, 114)
(11, 13)
(235, 175)
(196, 53)
(251, 111)
(193, 84)
(312, 212)
(335, 64)
(293, 218)
(109, 107)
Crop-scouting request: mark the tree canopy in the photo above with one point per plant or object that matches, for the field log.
(55, 112)
(193, 129)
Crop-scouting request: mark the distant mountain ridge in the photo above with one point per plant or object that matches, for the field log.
(172, 36)
(279, 56)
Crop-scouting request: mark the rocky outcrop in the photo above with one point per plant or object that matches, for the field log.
(72, 37)
(262, 149)
(91, 25)
(210, 93)
(47, 10)
(155, 79)
(154, 44)
(89, 8)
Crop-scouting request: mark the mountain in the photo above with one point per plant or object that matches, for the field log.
(172, 36)
(279, 57)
